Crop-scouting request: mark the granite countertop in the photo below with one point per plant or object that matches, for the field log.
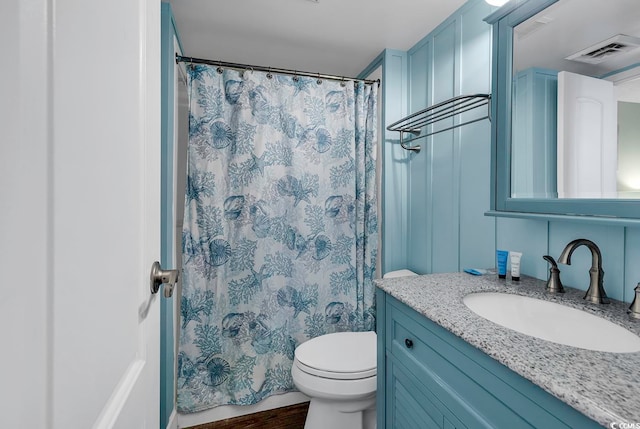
(604, 386)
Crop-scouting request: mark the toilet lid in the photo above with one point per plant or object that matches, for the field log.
(343, 355)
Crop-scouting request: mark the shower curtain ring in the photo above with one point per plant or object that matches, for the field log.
(343, 83)
(319, 81)
(219, 69)
(269, 75)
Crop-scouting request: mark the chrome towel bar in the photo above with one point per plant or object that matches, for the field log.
(414, 123)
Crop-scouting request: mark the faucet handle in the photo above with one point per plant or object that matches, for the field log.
(634, 309)
(554, 285)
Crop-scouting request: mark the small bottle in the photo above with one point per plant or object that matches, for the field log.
(501, 257)
(515, 265)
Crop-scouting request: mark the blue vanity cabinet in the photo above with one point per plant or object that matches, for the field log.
(430, 378)
(533, 134)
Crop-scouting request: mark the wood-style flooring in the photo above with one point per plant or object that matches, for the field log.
(291, 417)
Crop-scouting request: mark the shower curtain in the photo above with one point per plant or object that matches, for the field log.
(280, 228)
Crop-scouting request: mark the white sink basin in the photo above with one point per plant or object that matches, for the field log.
(552, 322)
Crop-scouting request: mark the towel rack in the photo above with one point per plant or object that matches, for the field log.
(414, 123)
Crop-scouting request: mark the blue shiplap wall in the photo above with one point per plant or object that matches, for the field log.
(395, 160)
(620, 247)
(448, 183)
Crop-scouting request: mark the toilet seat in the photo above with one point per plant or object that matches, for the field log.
(355, 358)
(335, 375)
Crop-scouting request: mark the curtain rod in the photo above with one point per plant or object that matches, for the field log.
(181, 59)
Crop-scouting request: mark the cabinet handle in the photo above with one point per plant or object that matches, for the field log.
(408, 343)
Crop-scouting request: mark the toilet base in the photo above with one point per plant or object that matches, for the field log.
(336, 414)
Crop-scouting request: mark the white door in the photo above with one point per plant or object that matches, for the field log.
(80, 204)
(587, 137)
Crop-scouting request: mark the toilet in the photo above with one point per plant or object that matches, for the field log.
(398, 273)
(338, 372)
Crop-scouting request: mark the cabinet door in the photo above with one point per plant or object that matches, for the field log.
(463, 385)
(411, 405)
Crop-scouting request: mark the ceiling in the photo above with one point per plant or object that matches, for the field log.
(570, 26)
(339, 37)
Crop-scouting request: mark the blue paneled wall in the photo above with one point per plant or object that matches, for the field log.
(394, 159)
(448, 182)
(436, 199)
(620, 247)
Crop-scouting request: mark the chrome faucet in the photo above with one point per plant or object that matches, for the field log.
(595, 293)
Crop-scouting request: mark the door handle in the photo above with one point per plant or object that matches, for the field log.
(159, 276)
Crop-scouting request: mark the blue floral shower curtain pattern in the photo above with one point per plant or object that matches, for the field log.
(280, 228)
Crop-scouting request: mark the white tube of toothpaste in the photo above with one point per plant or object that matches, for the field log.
(515, 265)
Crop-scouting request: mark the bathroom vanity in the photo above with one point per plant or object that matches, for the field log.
(441, 365)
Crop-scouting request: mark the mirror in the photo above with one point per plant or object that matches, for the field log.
(575, 102)
(537, 188)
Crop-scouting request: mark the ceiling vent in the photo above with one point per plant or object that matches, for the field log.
(525, 29)
(600, 52)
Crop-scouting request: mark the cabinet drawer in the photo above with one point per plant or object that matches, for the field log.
(470, 384)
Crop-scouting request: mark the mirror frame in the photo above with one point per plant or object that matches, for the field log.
(502, 204)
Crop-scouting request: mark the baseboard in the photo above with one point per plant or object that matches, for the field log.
(173, 420)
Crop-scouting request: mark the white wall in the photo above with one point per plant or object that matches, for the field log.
(25, 230)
